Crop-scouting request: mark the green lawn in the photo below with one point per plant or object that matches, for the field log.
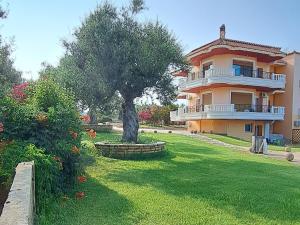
(236, 141)
(195, 183)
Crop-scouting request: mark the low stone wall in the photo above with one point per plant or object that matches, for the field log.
(129, 150)
(19, 207)
(98, 127)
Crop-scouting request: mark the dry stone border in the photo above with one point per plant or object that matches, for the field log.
(127, 150)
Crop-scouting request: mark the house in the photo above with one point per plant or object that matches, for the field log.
(241, 89)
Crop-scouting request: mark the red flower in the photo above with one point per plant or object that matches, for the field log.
(145, 115)
(92, 133)
(18, 91)
(79, 195)
(81, 179)
(1, 127)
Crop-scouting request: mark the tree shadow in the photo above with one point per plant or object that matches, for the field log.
(101, 205)
(247, 186)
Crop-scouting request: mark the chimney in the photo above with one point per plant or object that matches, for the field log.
(222, 31)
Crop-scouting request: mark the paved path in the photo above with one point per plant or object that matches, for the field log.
(272, 154)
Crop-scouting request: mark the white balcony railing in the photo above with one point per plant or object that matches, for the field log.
(228, 111)
(232, 76)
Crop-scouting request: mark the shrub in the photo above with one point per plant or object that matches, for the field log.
(46, 117)
(47, 169)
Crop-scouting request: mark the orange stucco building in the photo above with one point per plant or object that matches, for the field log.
(241, 89)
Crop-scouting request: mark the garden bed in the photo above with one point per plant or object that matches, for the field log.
(98, 127)
(127, 151)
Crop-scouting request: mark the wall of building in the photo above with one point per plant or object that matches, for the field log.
(222, 95)
(286, 99)
(296, 89)
(225, 61)
(234, 128)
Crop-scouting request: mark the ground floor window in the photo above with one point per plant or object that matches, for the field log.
(248, 127)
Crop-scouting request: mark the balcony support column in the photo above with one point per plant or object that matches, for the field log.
(267, 130)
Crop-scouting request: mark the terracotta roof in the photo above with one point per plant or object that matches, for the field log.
(240, 44)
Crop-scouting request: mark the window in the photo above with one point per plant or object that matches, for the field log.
(243, 68)
(248, 127)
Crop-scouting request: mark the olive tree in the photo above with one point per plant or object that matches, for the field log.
(128, 56)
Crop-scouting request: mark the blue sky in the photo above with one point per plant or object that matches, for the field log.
(39, 26)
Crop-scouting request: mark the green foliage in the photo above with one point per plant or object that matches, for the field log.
(48, 118)
(47, 170)
(116, 52)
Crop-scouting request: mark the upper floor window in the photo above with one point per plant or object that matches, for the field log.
(243, 68)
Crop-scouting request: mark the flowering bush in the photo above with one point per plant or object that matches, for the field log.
(19, 91)
(85, 118)
(45, 115)
(145, 115)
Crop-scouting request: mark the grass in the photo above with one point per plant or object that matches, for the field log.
(236, 141)
(195, 183)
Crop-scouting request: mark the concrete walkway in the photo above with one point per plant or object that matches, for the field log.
(271, 154)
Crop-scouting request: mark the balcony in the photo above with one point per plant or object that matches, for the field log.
(231, 76)
(228, 111)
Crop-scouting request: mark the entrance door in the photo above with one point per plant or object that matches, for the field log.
(258, 130)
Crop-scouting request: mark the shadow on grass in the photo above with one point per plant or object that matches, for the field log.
(260, 188)
(100, 205)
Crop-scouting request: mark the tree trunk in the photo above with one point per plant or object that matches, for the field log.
(93, 115)
(130, 121)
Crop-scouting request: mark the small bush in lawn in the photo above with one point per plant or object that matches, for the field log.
(170, 132)
(155, 131)
(142, 131)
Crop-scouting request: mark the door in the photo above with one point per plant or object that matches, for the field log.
(258, 130)
(207, 99)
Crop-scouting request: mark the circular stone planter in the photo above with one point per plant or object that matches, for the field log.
(127, 151)
(98, 127)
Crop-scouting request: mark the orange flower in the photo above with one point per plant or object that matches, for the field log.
(81, 179)
(79, 195)
(85, 118)
(73, 134)
(75, 150)
(92, 133)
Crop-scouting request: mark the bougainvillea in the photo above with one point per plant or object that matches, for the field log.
(18, 91)
(145, 115)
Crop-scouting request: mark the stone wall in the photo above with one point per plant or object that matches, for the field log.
(128, 150)
(19, 208)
